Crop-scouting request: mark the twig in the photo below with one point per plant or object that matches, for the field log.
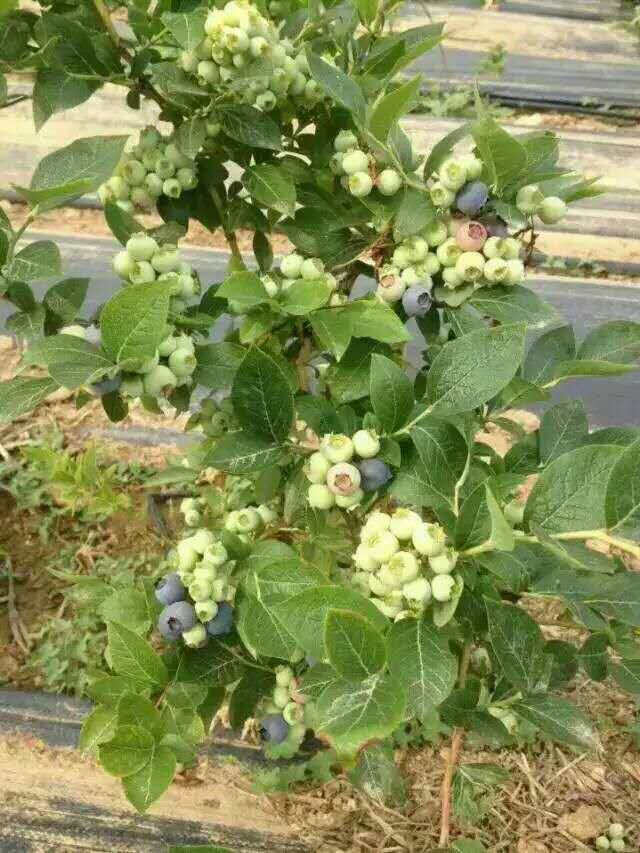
(452, 758)
(105, 16)
(18, 630)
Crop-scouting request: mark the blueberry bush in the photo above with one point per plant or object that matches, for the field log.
(355, 557)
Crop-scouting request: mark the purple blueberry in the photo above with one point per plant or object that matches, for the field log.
(472, 198)
(170, 589)
(222, 622)
(106, 386)
(374, 473)
(416, 301)
(176, 619)
(274, 728)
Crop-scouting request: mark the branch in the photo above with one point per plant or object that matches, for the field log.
(103, 12)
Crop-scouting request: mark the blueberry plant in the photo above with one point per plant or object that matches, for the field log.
(355, 557)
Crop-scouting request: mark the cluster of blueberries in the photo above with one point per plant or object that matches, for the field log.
(359, 172)
(338, 481)
(178, 617)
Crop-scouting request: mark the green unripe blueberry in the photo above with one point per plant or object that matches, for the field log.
(266, 101)
(208, 73)
(189, 61)
(141, 198)
(337, 448)
(603, 843)
(143, 273)
(618, 845)
(186, 176)
(472, 166)
(165, 168)
(192, 518)
(281, 697)
(166, 259)
(436, 233)
(494, 247)
(496, 270)
(248, 520)
(213, 128)
(317, 468)
(516, 272)
(449, 253)
(355, 161)
(291, 266)
(452, 174)
(320, 497)
(312, 268)
(293, 713)
(149, 138)
(167, 346)
(206, 610)
(616, 830)
(119, 187)
(529, 199)
(346, 140)
(389, 182)
(442, 587)
(470, 266)
(284, 676)
(441, 196)
(552, 210)
(451, 278)
(418, 591)
(360, 184)
(153, 185)
(366, 443)
(131, 386)
(182, 363)
(141, 247)
(150, 158)
(159, 381)
(195, 637)
(172, 188)
(123, 264)
(511, 248)
(134, 172)
(444, 563)
(312, 92)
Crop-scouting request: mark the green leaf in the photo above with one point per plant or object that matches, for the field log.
(352, 713)
(271, 187)
(570, 492)
(503, 156)
(338, 86)
(127, 752)
(514, 305)
(617, 341)
(354, 648)
(241, 452)
(481, 520)
(563, 427)
(549, 349)
(517, 643)
(127, 607)
(186, 27)
(109, 689)
(71, 361)
(391, 393)
(305, 296)
(55, 91)
(388, 109)
(618, 598)
(133, 657)
(622, 499)
(184, 723)
(559, 719)
(213, 664)
(372, 319)
(443, 452)
(218, 364)
(246, 695)
(184, 695)
(135, 710)
(442, 149)
(261, 631)
(420, 659)
(627, 675)
(66, 298)
(37, 260)
(133, 321)
(304, 615)
(349, 380)
(91, 160)
(333, 330)
(190, 136)
(377, 775)
(594, 657)
(99, 727)
(245, 289)
(262, 398)
(471, 370)
(22, 394)
(414, 213)
(150, 782)
(249, 126)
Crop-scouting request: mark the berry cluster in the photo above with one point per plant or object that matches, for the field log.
(198, 597)
(408, 276)
(531, 201)
(358, 171)
(335, 479)
(390, 566)
(214, 418)
(613, 840)
(284, 712)
(152, 168)
(250, 519)
(243, 55)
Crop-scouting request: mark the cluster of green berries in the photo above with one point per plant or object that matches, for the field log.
(408, 276)
(250, 520)
(613, 840)
(192, 510)
(284, 715)
(403, 562)
(243, 55)
(336, 479)
(144, 261)
(358, 171)
(213, 418)
(531, 201)
(152, 168)
(295, 268)
(198, 596)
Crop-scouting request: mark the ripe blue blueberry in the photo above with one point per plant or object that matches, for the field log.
(176, 619)
(374, 473)
(106, 386)
(170, 589)
(222, 622)
(416, 301)
(472, 198)
(274, 728)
